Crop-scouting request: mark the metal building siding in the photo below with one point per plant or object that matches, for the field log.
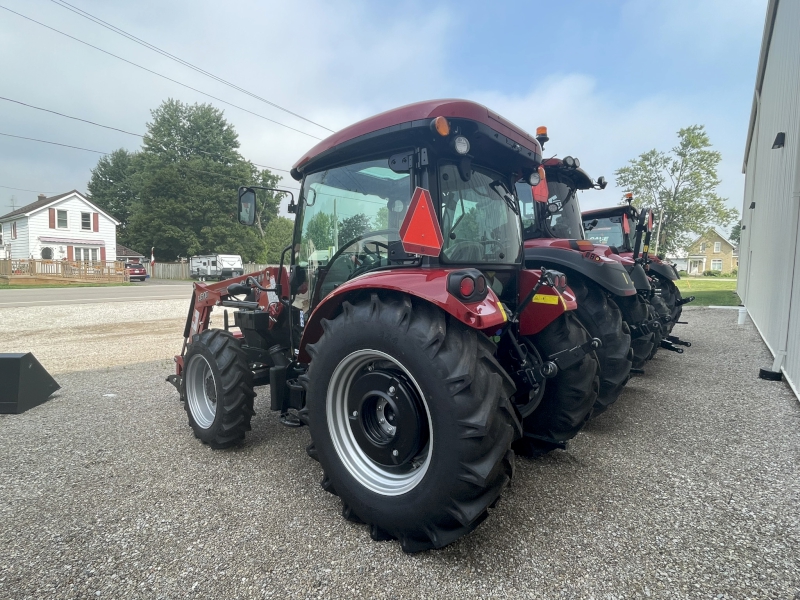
(769, 274)
(771, 226)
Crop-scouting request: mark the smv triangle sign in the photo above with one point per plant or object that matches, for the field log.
(420, 232)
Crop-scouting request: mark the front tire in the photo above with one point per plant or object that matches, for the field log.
(568, 397)
(217, 389)
(428, 474)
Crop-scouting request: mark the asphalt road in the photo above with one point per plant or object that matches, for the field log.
(147, 290)
(688, 487)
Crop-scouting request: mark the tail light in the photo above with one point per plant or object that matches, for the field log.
(468, 285)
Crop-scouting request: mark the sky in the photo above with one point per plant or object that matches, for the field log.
(610, 79)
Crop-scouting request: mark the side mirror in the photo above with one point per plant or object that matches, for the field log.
(601, 182)
(247, 206)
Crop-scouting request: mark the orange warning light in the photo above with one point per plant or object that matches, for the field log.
(420, 232)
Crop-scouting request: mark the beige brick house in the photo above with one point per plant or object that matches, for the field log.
(712, 251)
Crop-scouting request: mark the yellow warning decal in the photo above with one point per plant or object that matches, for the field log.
(546, 299)
(625, 277)
(502, 311)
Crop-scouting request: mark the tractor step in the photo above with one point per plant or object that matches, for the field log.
(671, 347)
(635, 371)
(676, 340)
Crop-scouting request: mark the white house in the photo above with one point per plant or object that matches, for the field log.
(67, 226)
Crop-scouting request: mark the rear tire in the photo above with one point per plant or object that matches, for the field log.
(659, 311)
(452, 406)
(603, 319)
(568, 397)
(634, 313)
(217, 389)
(670, 294)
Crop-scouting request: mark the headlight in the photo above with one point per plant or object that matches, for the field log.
(461, 144)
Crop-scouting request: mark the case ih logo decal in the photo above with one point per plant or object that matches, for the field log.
(420, 232)
(202, 297)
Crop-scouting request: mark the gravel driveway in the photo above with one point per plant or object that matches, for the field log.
(688, 487)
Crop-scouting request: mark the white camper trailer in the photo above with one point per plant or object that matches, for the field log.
(215, 266)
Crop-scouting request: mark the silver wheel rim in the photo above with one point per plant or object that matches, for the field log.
(369, 473)
(201, 391)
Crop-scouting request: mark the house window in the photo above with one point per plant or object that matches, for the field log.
(47, 253)
(702, 246)
(716, 265)
(717, 247)
(14, 230)
(86, 221)
(86, 254)
(62, 219)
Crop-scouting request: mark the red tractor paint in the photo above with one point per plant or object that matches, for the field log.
(429, 285)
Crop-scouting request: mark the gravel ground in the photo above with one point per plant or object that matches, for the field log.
(688, 487)
(76, 337)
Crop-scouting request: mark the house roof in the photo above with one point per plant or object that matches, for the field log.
(43, 203)
(720, 234)
(40, 203)
(766, 40)
(125, 251)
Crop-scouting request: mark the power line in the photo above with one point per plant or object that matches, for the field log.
(23, 190)
(181, 165)
(125, 60)
(123, 131)
(141, 42)
(53, 143)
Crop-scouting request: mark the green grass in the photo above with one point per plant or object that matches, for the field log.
(710, 291)
(5, 286)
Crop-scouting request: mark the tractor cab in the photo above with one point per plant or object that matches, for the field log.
(551, 208)
(615, 226)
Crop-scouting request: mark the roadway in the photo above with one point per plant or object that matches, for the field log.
(148, 290)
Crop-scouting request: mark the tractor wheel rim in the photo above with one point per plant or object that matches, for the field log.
(201, 391)
(351, 430)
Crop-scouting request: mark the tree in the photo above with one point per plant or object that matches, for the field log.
(320, 231)
(736, 232)
(680, 186)
(113, 189)
(353, 227)
(185, 182)
(277, 235)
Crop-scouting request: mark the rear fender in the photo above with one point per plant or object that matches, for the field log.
(664, 270)
(598, 264)
(429, 285)
(547, 305)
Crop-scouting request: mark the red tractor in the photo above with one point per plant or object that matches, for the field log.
(628, 231)
(604, 284)
(407, 332)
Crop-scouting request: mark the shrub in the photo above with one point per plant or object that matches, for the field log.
(712, 273)
(683, 273)
(735, 273)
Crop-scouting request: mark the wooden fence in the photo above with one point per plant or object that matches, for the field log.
(62, 269)
(165, 270)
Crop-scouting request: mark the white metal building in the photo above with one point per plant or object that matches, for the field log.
(769, 253)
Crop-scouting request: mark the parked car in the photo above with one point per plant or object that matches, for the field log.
(135, 271)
